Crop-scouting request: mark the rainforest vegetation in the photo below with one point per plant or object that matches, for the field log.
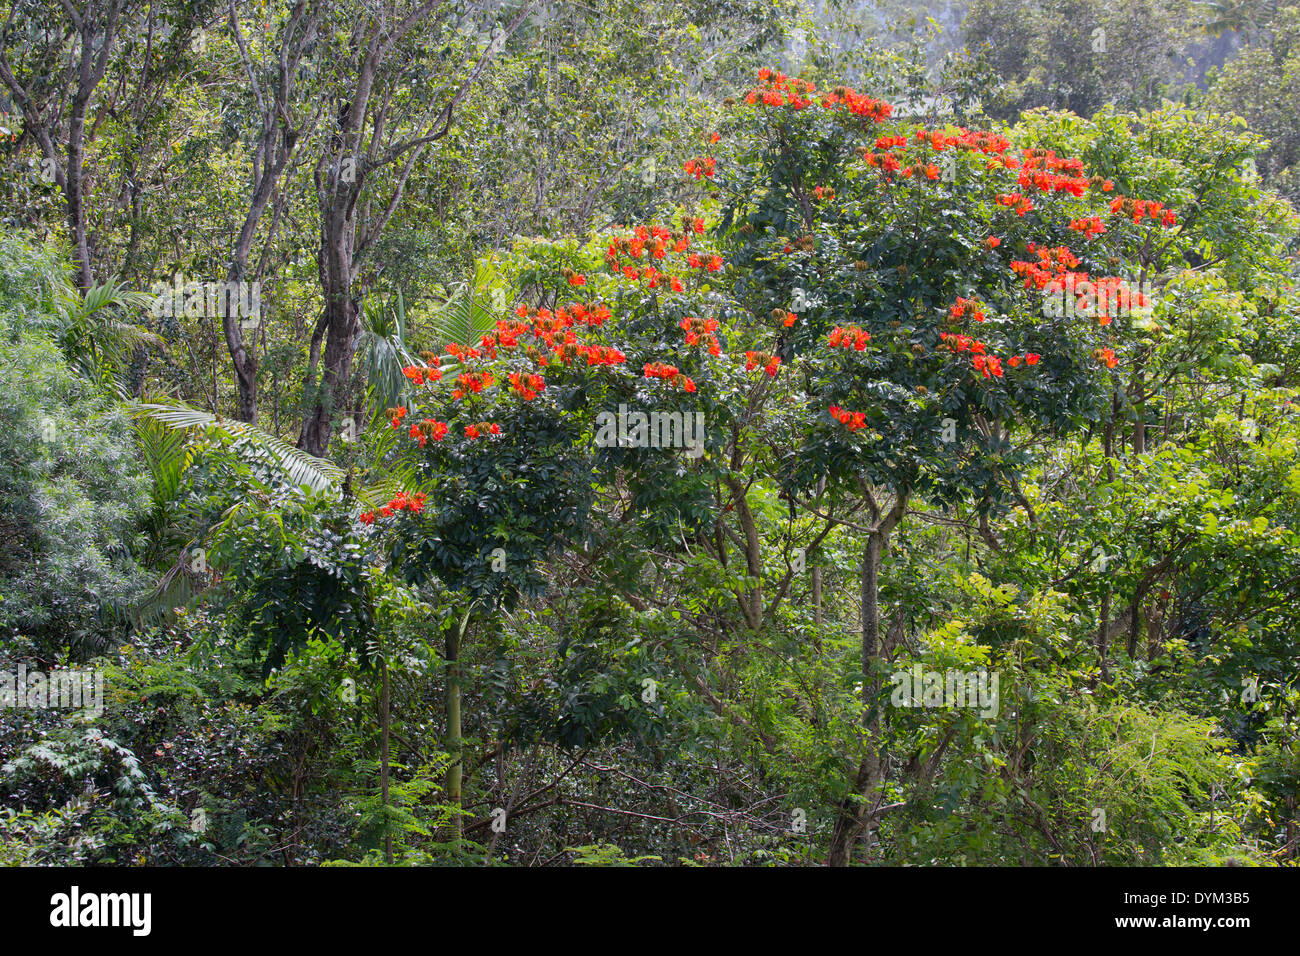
(693, 433)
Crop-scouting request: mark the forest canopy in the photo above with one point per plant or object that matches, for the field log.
(707, 433)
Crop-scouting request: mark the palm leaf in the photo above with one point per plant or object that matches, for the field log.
(383, 345)
(94, 338)
(178, 587)
(249, 442)
(470, 312)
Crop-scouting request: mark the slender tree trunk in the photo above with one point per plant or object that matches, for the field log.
(752, 605)
(349, 227)
(243, 357)
(817, 581)
(1108, 446)
(90, 70)
(73, 193)
(1102, 648)
(817, 597)
(336, 365)
(1139, 414)
(454, 745)
(276, 144)
(384, 716)
(857, 812)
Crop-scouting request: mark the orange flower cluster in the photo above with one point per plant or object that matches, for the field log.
(553, 340)
(1091, 226)
(1014, 201)
(423, 376)
(989, 143)
(990, 366)
(1052, 262)
(1030, 358)
(402, 502)
(1054, 273)
(652, 276)
(700, 166)
(529, 386)
(462, 353)
(1107, 356)
(710, 263)
(698, 330)
(858, 104)
(395, 416)
(886, 162)
(770, 363)
(1100, 297)
(850, 420)
(545, 324)
(594, 354)
(668, 373)
(1137, 209)
(473, 382)
(1045, 171)
(657, 237)
(429, 428)
(777, 89)
(959, 309)
(482, 430)
(656, 243)
(938, 141)
(962, 343)
(849, 336)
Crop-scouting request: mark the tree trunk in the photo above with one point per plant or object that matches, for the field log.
(90, 70)
(857, 812)
(817, 581)
(243, 358)
(1102, 628)
(276, 144)
(341, 326)
(817, 599)
(73, 193)
(1137, 398)
(455, 769)
(384, 715)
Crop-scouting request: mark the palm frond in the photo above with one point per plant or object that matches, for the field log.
(178, 587)
(166, 454)
(473, 310)
(297, 466)
(385, 352)
(94, 338)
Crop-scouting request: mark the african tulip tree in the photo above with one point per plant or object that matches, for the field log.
(506, 434)
(883, 312)
(950, 301)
